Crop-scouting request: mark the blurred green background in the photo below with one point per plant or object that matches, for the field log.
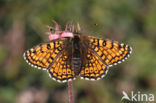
(23, 25)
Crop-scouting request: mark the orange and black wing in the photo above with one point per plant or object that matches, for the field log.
(94, 68)
(61, 70)
(42, 55)
(101, 55)
(109, 52)
(48, 55)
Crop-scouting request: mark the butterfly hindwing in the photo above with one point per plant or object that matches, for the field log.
(61, 70)
(94, 69)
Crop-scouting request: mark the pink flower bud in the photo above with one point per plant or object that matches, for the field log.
(60, 35)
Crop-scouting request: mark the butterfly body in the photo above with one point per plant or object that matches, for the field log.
(76, 55)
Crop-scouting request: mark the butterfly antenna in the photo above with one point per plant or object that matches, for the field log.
(68, 26)
(71, 26)
(78, 27)
(56, 26)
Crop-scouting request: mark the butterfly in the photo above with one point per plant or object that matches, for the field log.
(68, 57)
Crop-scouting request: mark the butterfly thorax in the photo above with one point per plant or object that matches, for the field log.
(76, 55)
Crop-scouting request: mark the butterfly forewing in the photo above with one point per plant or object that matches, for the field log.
(109, 52)
(41, 56)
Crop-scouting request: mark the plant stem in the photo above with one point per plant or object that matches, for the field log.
(70, 92)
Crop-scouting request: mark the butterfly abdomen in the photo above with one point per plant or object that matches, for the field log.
(76, 62)
(76, 56)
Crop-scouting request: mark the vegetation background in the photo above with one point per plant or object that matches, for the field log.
(23, 25)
